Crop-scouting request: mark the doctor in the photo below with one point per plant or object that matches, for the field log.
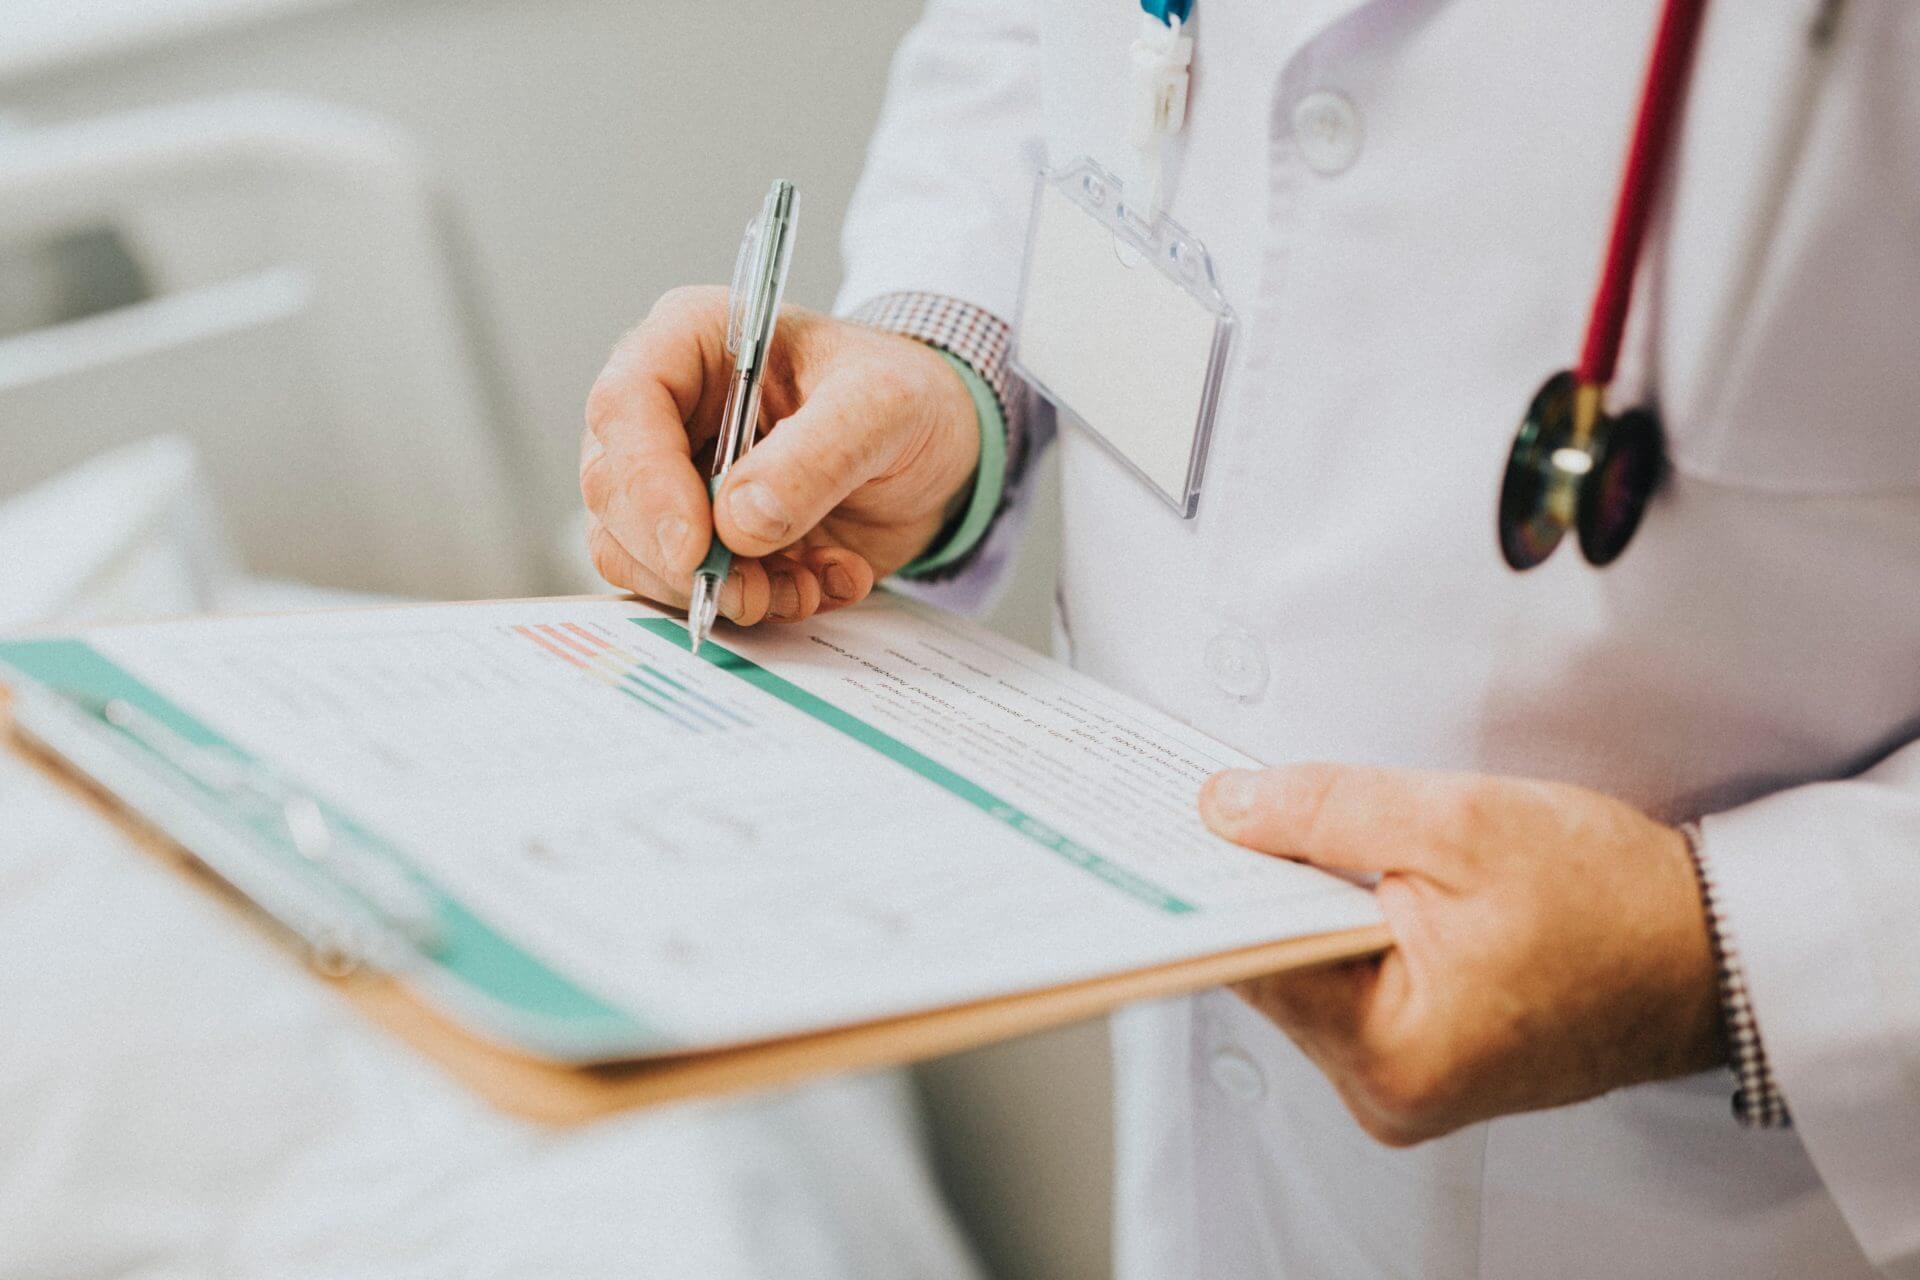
(1648, 836)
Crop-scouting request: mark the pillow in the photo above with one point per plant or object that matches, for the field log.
(131, 534)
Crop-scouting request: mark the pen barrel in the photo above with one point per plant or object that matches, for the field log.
(760, 281)
(719, 559)
(718, 563)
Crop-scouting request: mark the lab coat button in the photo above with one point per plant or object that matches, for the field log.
(1326, 128)
(1238, 1076)
(1237, 664)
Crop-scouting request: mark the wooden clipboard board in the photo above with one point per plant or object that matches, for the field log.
(558, 1093)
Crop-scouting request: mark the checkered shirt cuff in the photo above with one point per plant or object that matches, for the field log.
(1757, 1102)
(977, 336)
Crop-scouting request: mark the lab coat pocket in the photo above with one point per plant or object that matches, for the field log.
(1786, 299)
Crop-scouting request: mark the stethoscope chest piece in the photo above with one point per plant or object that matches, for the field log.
(1573, 466)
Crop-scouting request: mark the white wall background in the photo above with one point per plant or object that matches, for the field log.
(596, 153)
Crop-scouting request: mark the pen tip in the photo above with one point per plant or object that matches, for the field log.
(700, 611)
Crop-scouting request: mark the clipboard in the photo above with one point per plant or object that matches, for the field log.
(552, 1090)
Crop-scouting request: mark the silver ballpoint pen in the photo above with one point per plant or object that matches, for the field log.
(759, 279)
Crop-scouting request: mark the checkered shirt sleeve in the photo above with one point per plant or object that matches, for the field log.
(1757, 1102)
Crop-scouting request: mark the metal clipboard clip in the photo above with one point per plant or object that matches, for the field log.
(351, 904)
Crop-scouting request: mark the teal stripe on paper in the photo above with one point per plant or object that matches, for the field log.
(932, 770)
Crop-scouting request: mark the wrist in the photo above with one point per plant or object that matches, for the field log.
(976, 344)
(958, 427)
(1703, 1030)
(971, 509)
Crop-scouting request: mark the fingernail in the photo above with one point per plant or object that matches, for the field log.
(786, 596)
(758, 512)
(837, 581)
(733, 595)
(1234, 793)
(672, 533)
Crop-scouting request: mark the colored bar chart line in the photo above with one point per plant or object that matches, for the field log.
(598, 657)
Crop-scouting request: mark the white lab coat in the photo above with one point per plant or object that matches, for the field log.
(1405, 274)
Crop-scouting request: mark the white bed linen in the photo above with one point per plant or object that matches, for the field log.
(178, 1098)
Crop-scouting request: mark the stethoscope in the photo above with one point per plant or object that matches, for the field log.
(1574, 465)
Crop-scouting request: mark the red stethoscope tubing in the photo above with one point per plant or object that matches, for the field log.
(1647, 159)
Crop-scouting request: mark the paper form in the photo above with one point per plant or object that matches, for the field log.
(881, 811)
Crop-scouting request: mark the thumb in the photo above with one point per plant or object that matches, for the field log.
(804, 468)
(1346, 818)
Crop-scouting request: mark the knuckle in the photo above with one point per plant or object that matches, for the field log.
(685, 304)
(1386, 1132)
(1468, 808)
(1401, 1091)
(606, 403)
(610, 559)
(596, 480)
(593, 490)
(1301, 795)
(893, 388)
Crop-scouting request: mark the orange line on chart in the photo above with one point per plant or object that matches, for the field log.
(554, 634)
(599, 642)
(557, 652)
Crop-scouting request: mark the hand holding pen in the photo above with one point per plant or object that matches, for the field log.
(871, 440)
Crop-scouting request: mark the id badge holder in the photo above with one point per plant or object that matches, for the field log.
(1122, 327)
